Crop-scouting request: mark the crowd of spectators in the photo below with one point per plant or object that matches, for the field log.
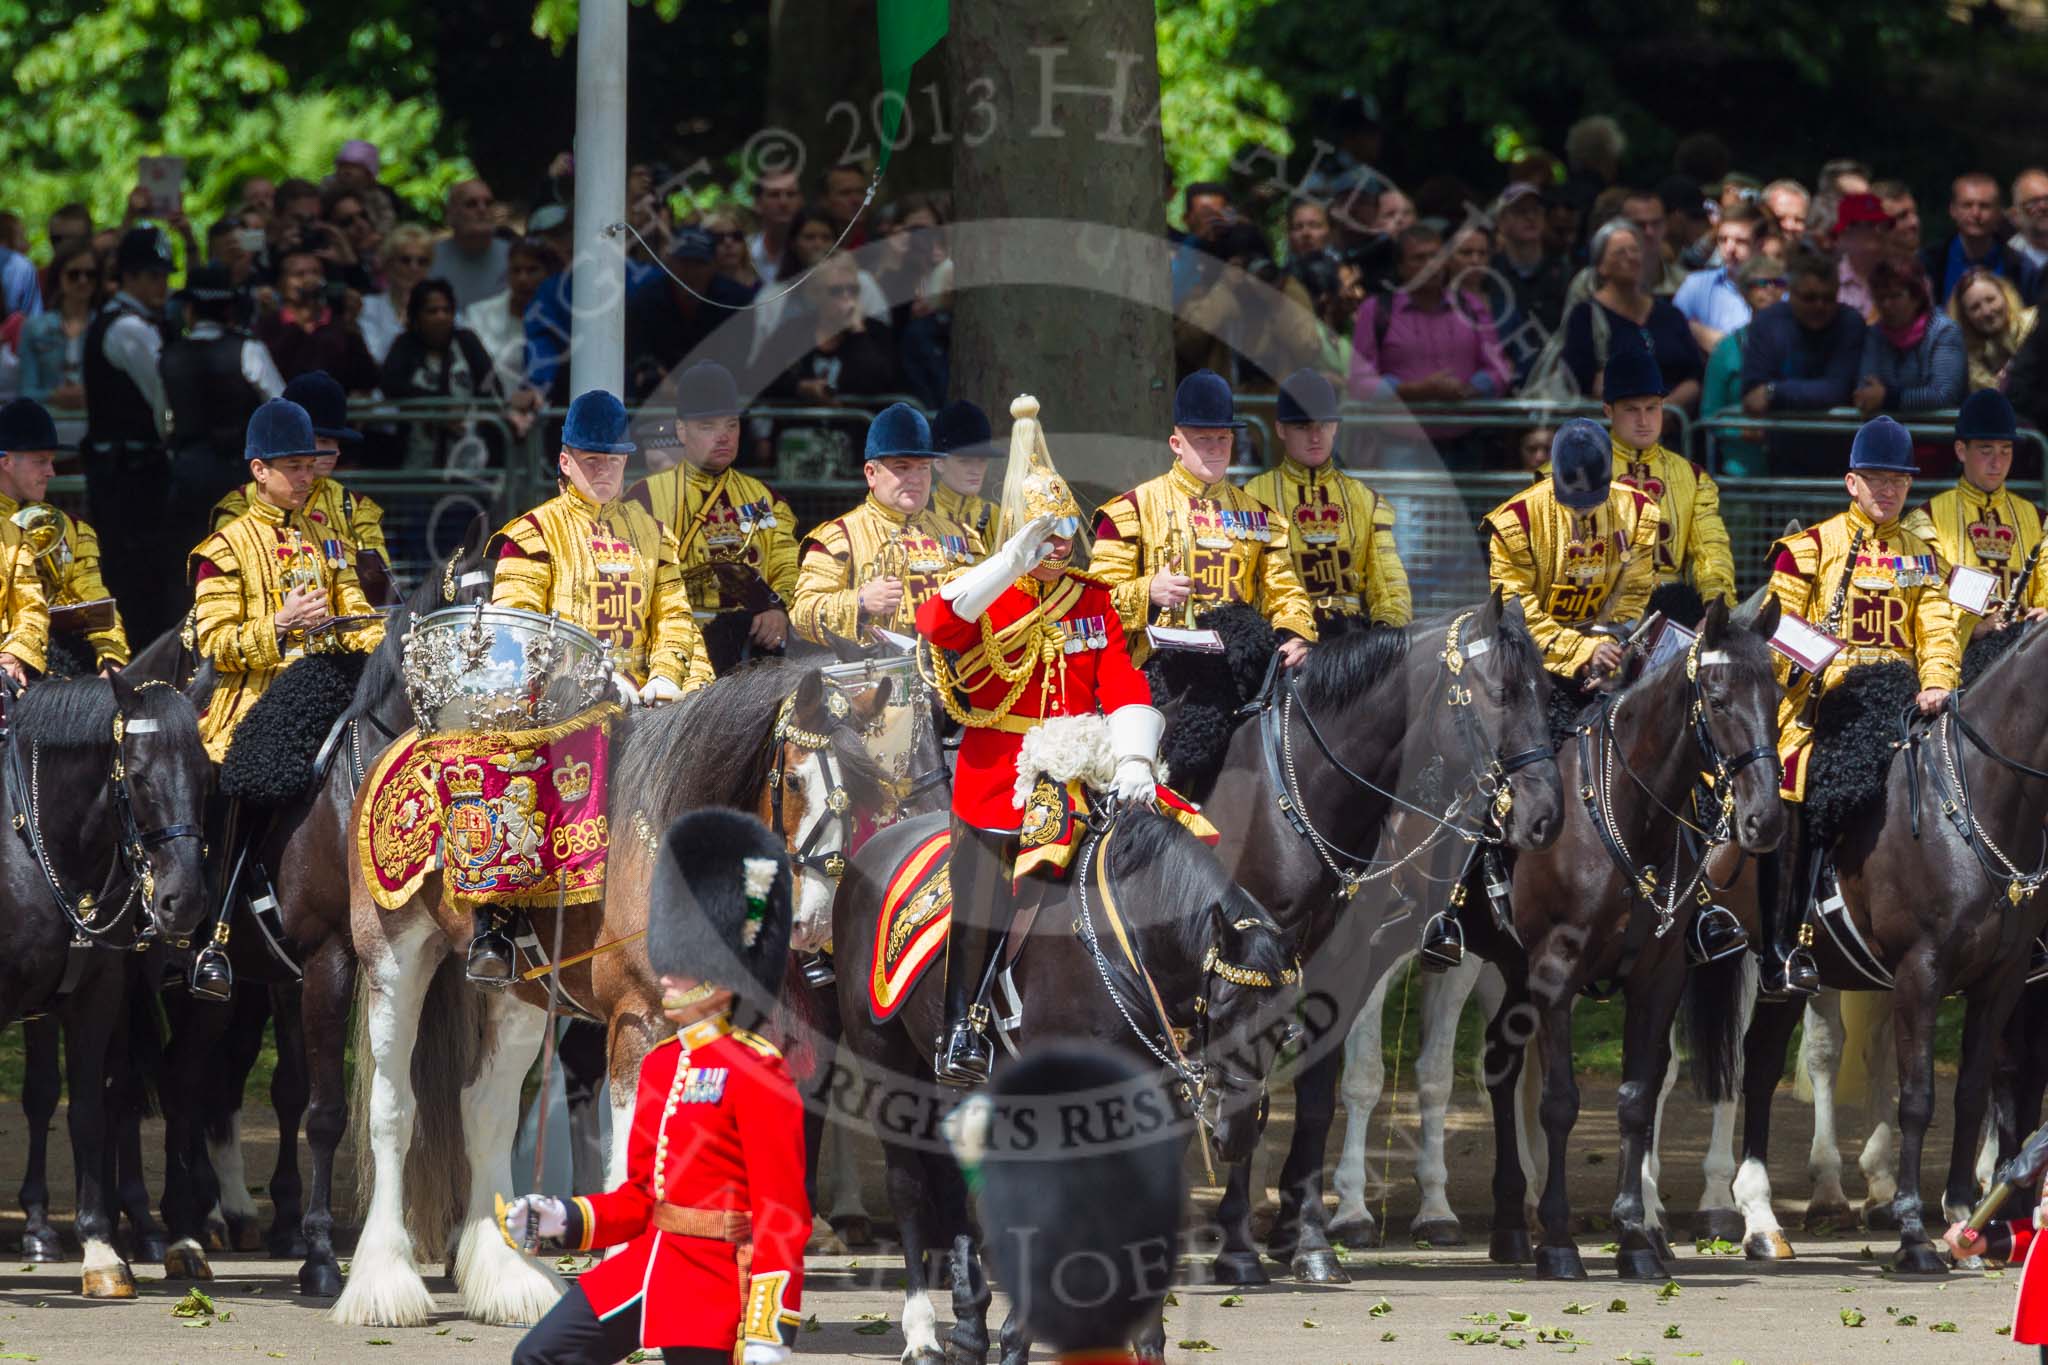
(1760, 299)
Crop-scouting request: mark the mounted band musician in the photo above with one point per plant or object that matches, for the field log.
(604, 564)
(721, 516)
(1038, 663)
(1863, 577)
(1982, 524)
(1692, 540)
(961, 433)
(85, 631)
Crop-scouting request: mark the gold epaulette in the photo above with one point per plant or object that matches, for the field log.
(757, 1043)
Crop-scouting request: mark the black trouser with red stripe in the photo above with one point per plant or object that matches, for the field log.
(573, 1334)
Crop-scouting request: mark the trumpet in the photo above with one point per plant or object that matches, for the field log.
(1180, 555)
(42, 530)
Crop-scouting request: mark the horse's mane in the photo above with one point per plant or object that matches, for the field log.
(1345, 668)
(386, 668)
(73, 713)
(1990, 649)
(712, 747)
(1187, 881)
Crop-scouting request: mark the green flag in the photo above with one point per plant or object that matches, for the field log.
(909, 28)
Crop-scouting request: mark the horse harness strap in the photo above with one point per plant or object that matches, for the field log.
(540, 964)
(1952, 788)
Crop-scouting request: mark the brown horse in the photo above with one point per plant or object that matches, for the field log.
(772, 739)
(1634, 849)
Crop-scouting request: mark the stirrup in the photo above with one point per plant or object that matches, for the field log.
(212, 977)
(489, 962)
(1792, 976)
(1443, 943)
(1716, 935)
(963, 1054)
(818, 971)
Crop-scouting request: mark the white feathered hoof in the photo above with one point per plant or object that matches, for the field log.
(186, 1260)
(1767, 1246)
(499, 1286)
(383, 1289)
(1438, 1232)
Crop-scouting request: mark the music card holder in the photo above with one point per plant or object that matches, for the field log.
(1672, 640)
(77, 618)
(1974, 590)
(904, 644)
(1804, 643)
(1176, 637)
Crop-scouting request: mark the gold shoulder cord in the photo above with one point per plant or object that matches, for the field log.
(1041, 644)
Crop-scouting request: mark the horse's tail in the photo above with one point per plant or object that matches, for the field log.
(1715, 1021)
(145, 1043)
(437, 1164)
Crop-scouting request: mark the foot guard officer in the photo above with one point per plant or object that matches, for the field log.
(605, 564)
(711, 1223)
(1864, 578)
(1076, 1152)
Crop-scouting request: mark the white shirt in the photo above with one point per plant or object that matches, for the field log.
(134, 347)
(503, 333)
(257, 366)
(2034, 254)
(765, 265)
(380, 325)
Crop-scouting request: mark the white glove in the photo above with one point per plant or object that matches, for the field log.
(972, 592)
(765, 1353)
(625, 689)
(659, 691)
(554, 1217)
(1135, 782)
(1134, 738)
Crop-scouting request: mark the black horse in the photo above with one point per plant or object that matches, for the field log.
(1145, 936)
(1613, 901)
(105, 788)
(1448, 713)
(1938, 886)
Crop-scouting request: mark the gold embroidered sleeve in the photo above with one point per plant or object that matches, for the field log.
(1386, 579)
(1639, 567)
(84, 584)
(825, 598)
(1118, 559)
(28, 609)
(345, 598)
(366, 526)
(1282, 599)
(231, 506)
(221, 629)
(1794, 565)
(1513, 567)
(778, 552)
(524, 579)
(675, 646)
(1938, 648)
(1713, 562)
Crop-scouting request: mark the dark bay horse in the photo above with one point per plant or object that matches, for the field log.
(104, 790)
(1443, 720)
(1613, 900)
(1939, 889)
(1200, 951)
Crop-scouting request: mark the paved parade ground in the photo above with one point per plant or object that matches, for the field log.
(1405, 1304)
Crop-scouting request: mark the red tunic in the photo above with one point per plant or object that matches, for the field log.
(1093, 672)
(2030, 1314)
(722, 1122)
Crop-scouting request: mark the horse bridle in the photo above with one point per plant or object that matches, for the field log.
(1490, 770)
(86, 913)
(807, 858)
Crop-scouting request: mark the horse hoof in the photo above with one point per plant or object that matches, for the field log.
(287, 1244)
(1661, 1245)
(186, 1261)
(1639, 1263)
(1559, 1263)
(1718, 1225)
(1356, 1233)
(320, 1280)
(1919, 1259)
(245, 1234)
(1439, 1232)
(925, 1356)
(956, 1354)
(855, 1232)
(110, 1282)
(1879, 1216)
(42, 1246)
(1822, 1219)
(216, 1237)
(1318, 1267)
(1238, 1267)
(1510, 1246)
(1767, 1246)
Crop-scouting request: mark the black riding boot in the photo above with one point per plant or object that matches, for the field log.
(211, 978)
(490, 951)
(1787, 969)
(979, 866)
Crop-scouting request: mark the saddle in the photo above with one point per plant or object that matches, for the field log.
(915, 919)
(273, 758)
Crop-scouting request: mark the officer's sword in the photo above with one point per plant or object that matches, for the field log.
(547, 1049)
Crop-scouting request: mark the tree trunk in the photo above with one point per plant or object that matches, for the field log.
(1060, 258)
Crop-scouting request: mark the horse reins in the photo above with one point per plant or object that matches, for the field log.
(1956, 804)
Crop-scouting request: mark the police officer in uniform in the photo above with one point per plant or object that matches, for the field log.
(605, 564)
(215, 376)
(1340, 530)
(1866, 579)
(876, 565)
(127, 474)
(1579, 550)
(708, 1229)
(1190, 539)
(1692, 540)
(337, 511)
(66, 552)
(722, 516)
(1083, 1217)
(1982, 524)
(960, 432)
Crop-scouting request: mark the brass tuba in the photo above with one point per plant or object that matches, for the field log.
(42, 530)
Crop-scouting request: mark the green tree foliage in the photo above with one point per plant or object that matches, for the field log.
(236, 87)
(1214, 99)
